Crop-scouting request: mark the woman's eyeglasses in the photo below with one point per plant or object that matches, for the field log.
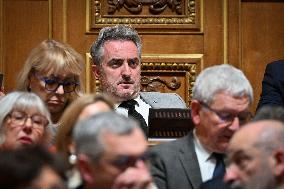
(19, 118)
(52, 83)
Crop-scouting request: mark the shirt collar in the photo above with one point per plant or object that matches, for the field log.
(137, 99)
(203, 154)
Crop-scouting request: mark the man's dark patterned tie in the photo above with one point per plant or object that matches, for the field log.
(220, 168)
(130, 105)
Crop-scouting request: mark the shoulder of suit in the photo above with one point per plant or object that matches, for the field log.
(172, 145)
(158, 95)
(278, 63)
(275, 68)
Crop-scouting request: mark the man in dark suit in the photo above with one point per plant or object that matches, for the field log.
(116, 56)
(273, 85)
(265, 113)
(220, 104)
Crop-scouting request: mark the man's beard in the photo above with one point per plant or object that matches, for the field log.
(120, 96)
(112, 91)
(263, 179)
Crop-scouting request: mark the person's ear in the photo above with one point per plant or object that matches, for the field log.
(195, 111)
(71, 147)
(85, 167)
(96, 71)
(278, 166)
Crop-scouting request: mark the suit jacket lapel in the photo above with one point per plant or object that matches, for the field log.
(189, 162)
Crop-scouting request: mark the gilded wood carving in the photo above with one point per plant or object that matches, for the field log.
(135, 6)
(145, 14)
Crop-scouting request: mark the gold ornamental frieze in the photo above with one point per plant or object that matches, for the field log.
(145, 14)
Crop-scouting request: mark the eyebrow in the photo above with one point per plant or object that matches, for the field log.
(117, 59)
(114, 60)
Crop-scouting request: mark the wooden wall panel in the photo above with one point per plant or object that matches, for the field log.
(233, 33)
(245, 33)
(262, 39)
(213, 32)
(58, 30)
(25, 24)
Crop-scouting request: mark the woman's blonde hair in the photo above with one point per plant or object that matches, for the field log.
(70, 117)
(51, 56)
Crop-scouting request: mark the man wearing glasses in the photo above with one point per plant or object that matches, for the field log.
(220, 105)
(112, 153)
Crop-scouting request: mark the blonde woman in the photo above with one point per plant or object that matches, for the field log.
(53, 71)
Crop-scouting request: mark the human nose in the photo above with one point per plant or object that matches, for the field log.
(60, 89)
(231, 174)
(235, 125)
(28, 123)
(126, 70)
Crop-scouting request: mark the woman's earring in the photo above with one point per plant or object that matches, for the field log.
(72, 159)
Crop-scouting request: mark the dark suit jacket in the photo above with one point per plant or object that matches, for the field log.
(176, 166)
(217, 183)
(273, 85)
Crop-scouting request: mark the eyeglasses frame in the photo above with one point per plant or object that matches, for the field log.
(221, 118)
(43, 79)
(28, 117)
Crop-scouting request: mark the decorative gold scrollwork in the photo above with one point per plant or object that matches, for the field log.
(188, 67)
(152, 84)
(186, 11)
(135, 6)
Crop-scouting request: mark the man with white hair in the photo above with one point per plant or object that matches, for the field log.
(220, 105)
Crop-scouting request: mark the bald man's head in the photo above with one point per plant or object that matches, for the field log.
(256, 156)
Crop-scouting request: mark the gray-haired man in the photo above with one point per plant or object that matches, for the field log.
(111, 153)
(116, 55)
(220, 104)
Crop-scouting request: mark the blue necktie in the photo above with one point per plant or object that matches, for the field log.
(220, 168)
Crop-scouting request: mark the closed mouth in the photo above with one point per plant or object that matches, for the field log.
(55, 102)
(126, 82)
(26, 140)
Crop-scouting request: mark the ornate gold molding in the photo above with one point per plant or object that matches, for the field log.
(189, 70)
(188, 18)
(135, 7)
(88, 70)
